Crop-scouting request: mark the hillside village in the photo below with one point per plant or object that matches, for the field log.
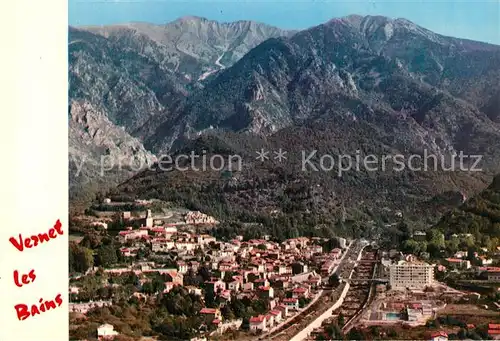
(280, 279)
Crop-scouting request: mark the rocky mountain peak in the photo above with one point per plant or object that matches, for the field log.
(375, 83)
(190, 18)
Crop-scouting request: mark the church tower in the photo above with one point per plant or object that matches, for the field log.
(149, 219)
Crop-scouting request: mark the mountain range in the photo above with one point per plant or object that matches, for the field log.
(358, 84)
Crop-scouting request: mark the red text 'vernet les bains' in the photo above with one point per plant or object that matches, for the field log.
(22, 243)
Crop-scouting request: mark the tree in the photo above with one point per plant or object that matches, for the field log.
(239, 308)
(434, 250)
(452, 246)
(106, 255)
(158, 285)
(209, 298)
(405, 230)
(227, 313)
(204, 273)
(341, 320)
(91, 240)
(411, 246)
(147, 288)
(334, 280)
(355, 334)
(80, 258)
(471, 250)
(462, 335)
(331, 244)
(334, 332)
(228, 276)
(436, 237)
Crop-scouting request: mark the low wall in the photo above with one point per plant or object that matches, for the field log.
(304, 333)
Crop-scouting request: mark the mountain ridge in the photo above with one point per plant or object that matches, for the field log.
(130, 75)
(294, 44)
(351, 74)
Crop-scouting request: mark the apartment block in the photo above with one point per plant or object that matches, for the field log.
(411, 274)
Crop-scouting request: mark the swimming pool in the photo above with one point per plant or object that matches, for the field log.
(392, 316)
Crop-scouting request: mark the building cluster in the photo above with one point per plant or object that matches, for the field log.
(189, 218)
(414, 310)
(84, 307)
(286, 276)
(483, 265)
(410, 273)
(195, 218)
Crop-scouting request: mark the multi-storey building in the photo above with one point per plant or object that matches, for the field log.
(411, 274)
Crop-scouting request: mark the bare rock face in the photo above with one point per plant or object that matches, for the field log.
(100, 151)
(90, 127)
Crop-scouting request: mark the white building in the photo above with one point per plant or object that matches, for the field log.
(162, 245)
(132, 234)
(411, 274)
(342, 242)
(258, 323)
(99, 224)
(106, 331)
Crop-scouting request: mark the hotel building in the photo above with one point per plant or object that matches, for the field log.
(411, 274)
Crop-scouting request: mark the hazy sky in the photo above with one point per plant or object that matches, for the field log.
(477, 20)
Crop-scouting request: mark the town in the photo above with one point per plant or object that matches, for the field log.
(164, 276)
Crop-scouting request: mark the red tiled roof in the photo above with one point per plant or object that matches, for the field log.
(257, 319)
(159, 240)
(494, 331)
(493, 326)
(454, 260)
(439, 333)
(208, 311)
(490, 268)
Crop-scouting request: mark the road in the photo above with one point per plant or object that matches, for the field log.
(308, 319)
